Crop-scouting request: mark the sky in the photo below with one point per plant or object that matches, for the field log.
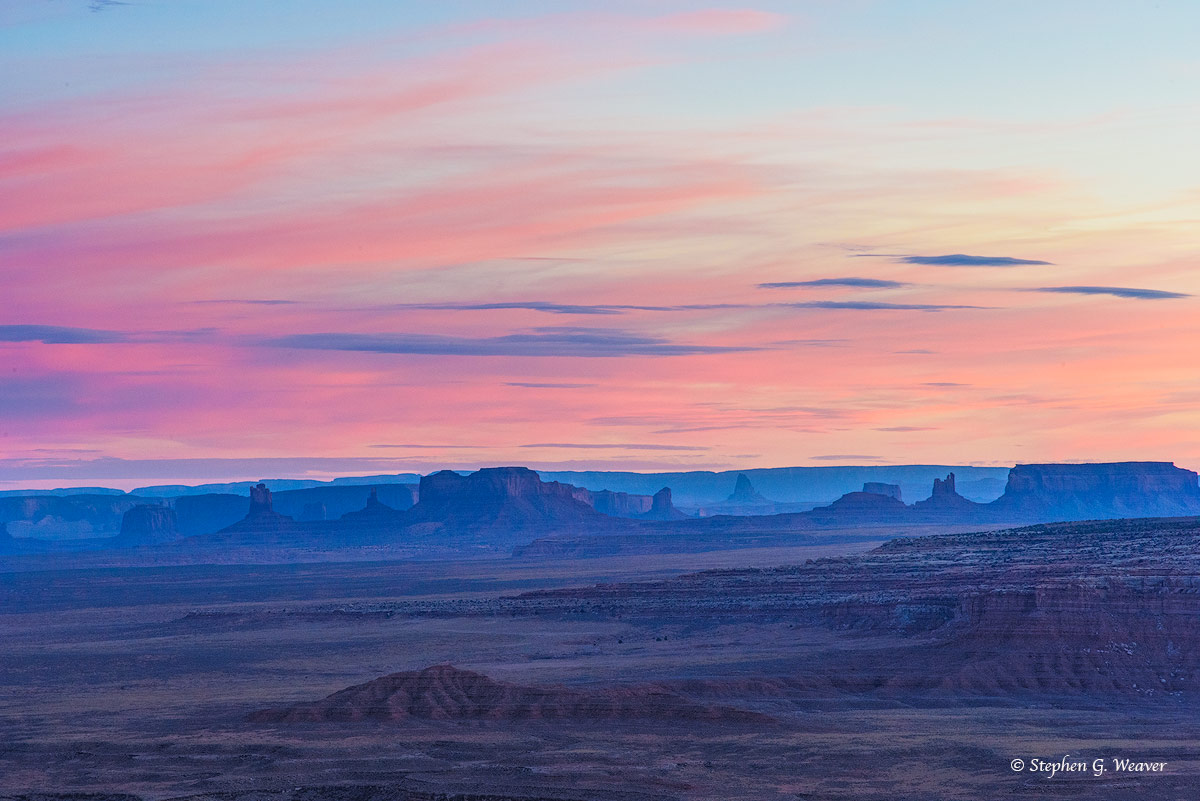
(241, 238)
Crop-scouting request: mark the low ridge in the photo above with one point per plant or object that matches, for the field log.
(444, 692)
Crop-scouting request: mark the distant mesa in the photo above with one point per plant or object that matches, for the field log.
(620, 504)
(1095, 491)
(496, 507)
(502, 508)
(65, 517)
(499, 502)
(862, 507)
(631, 506)
(1036, 493)
(507, 498)
(888, 490)
(148, 524)
(444, 692)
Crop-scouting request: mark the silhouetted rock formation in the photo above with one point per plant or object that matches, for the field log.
(205, 514)
(148, 524)
(338, 500)
(661, 507)
(620, 504)
(374, 513)
(945, 498)
(374, 504)
(1095, 491)
(500, 502)
(260, 502)
(1038, 493)
(65, 517)
(889, 490)
(791, 489)
(861, 507)
(262, 520)
(444, 692)
(743, 491)
(745, 500)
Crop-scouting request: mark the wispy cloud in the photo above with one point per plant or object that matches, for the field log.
(546, 385)
(246, 302)
(43, 397)
(812, 343)
(863, 305)
(59, 335)
(623, 308)
(551, 341)
(632, 446)
(70, 335)
(864, 283)
(963, 260)
(412, 446)
(720, 21)
(527, 305)
(1115, 291)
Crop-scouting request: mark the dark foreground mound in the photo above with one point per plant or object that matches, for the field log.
(444, 692)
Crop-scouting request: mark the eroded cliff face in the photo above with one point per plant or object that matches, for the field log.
(498, 500)
(66, 517)
(1095, 607)
(1097, 491)
(890, 490)
(148, 524)
(620, 504)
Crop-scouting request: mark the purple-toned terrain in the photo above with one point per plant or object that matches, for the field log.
(496, 635)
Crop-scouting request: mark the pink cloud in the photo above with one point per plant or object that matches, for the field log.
(720, 21)
(192, 145)
(351, 183)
